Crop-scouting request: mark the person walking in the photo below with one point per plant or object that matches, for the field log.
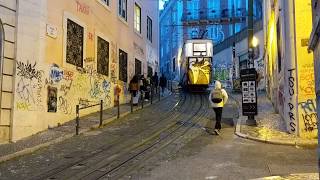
(163, 83)
(218, 98)
(134, 89)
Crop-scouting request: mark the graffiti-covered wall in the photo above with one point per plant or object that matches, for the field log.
(290, 68)
(307, 94)
(72, 53)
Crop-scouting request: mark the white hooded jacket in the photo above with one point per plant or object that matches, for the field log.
(217, 85)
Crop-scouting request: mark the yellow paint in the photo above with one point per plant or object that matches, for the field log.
(305, 66)
(271, 46)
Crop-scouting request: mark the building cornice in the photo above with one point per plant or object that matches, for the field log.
(314, 37)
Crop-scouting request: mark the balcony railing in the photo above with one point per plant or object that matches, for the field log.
(213, 14)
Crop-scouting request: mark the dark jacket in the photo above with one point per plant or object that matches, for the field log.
(163, 81)
(155, 80)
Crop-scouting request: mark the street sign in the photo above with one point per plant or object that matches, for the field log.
(249, 92)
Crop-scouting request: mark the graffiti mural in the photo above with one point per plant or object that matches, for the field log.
(29, 86)
(309, 115)
(60, 87)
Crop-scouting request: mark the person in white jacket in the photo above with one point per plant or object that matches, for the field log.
(218, 98)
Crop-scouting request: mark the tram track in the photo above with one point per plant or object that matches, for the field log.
(112, 162)
(174, 135)
(51, 174)
(151, 148)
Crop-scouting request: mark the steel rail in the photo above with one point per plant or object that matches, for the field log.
(138, 165)
(162, 139)
(104, 148)
(154, 136)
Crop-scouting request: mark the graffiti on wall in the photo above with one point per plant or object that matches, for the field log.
(236, 84)
(306, 80)
(29, 86)
(113, 66)
(56, 74)
(291, 86)
(261, 73)
(64, 105)
(309, 115)
(61, 87)
(106, 86)
(83, 8)
(281, 98)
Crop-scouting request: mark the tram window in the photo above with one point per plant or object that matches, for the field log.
(199, 49)
(197, 53)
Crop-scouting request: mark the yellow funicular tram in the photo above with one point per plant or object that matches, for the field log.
(197, 65)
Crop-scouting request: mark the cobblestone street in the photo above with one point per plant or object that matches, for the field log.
(164, 141)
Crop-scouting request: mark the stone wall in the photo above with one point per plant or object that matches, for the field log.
(7, 57)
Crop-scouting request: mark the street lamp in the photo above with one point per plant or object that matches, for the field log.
(255, 42)
(249, 75)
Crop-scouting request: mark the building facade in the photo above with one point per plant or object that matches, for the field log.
(289, 65)
(217, 20)
(314, 45)
(234, 51)
(8, 21)
(77, 52)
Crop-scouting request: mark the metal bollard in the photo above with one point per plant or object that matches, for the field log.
(152, 89)
(77, 119)
(142, 97)
(171, 85)
(101, 113)
(118, 115)
(131, 103)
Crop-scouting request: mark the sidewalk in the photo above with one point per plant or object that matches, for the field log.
(67, 130)
(270, 127)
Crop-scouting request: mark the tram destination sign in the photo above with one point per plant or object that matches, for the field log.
(249, 92)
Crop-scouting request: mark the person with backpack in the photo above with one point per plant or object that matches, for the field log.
(218, 98)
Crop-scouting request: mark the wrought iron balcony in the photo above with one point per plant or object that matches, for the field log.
(208, 17)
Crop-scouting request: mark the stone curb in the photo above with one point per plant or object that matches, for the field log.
(69, 135)
(308, 144)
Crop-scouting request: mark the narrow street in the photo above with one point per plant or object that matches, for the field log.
(164, 141)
